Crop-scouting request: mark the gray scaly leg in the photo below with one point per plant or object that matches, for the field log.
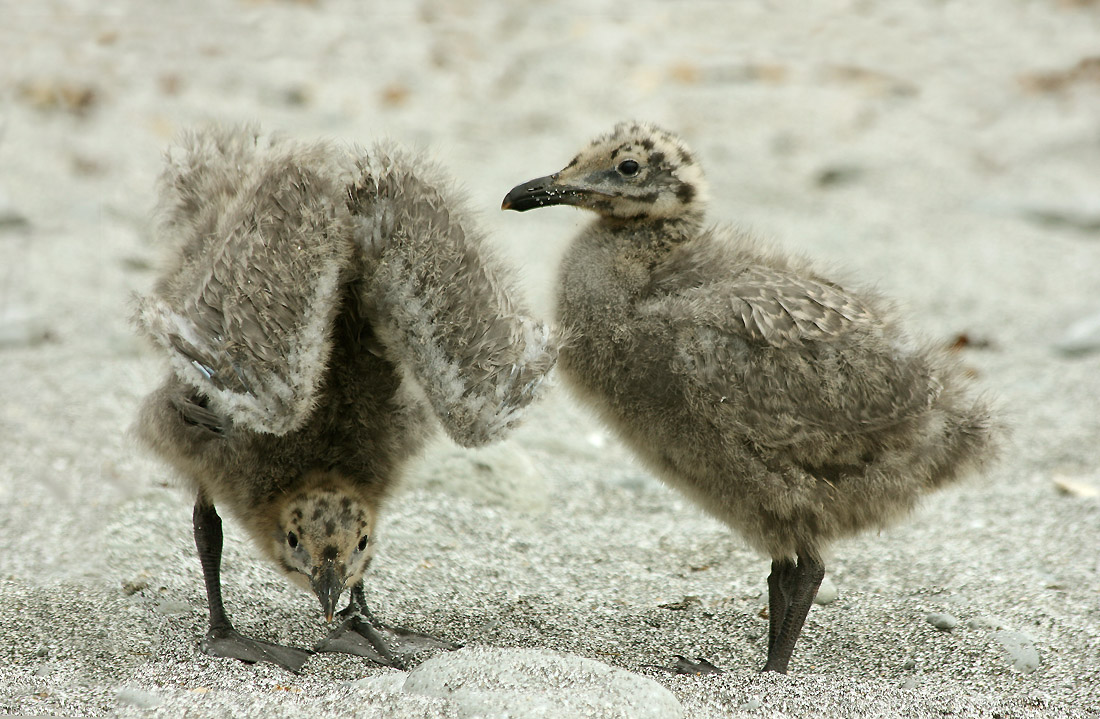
(797, 585)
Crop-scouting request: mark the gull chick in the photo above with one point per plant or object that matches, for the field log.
(324, 311)
(790, 407)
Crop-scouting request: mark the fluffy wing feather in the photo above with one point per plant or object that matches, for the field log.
(798, 356)
(262, 243)
(442, 304)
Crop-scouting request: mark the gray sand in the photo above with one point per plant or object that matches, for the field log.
(946, 153)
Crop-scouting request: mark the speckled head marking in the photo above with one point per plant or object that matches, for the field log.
(636, 171)
(323, 540)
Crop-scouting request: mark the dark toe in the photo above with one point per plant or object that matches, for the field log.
(348, 638)
(381, 643)
(231, 644)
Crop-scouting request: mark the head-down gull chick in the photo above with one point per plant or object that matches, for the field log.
(324, 311)
(789, 407)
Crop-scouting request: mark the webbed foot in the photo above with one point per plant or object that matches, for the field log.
(228, 642)
(365, 636)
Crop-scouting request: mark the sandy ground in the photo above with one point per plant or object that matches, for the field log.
(944, 152)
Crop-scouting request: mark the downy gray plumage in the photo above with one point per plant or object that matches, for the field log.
(788, 406)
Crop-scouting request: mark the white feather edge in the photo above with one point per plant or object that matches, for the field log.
(276, 406)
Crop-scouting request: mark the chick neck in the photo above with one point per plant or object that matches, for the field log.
(649, 239)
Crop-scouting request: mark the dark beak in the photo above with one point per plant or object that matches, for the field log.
(540, 192)
(328, 584)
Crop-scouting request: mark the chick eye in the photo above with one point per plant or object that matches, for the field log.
(363, 542)
(629, 167)
(292, 540)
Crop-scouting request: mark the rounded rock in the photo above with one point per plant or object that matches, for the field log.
(1021, 650)
(529, 683)
(827, 592)
(942, 621)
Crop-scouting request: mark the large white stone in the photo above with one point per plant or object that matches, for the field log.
(491, 683)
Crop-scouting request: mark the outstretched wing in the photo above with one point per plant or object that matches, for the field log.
(798, 356)
(246, 312)
(443, 305)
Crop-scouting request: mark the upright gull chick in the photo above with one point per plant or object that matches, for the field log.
(324, 310)
(789, 407)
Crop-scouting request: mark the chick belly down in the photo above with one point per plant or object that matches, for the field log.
(779, 507)
(651, 417)
(717, 478)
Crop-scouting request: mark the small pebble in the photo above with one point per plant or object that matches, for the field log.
(1075, 487)
(9, 216)
(827, 592)
(839, 174)
(1021, 650)
(493, 625)
(686, 603)
(12, 220)
(134, 586)
(751, 704)
(17, 330)
(943, 622)
(1082, 337)
(910, 683)
(1086, 219)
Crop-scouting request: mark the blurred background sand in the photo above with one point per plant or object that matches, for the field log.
(946, 153)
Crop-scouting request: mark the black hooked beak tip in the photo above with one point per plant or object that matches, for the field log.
(540, 192)
(328, 584)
